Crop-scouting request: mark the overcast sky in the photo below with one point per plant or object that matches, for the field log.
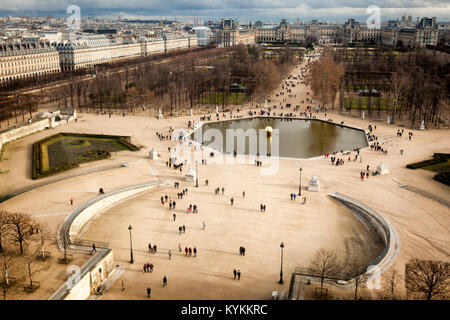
(245, 10)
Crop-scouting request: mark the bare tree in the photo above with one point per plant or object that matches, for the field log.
(29, 265)
(391, 283)
(6, 263)
(43, 236)
(3, 227)
(21, 228)
(324, 263)
(359, 274)
(428, 278)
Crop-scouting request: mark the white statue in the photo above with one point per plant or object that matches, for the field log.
(382, 169)
(152, 154)
(190, 175)
(314, 184)
(422, 125)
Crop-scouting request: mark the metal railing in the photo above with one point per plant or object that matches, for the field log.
(427, 194)
(63, 177)
(368, 210)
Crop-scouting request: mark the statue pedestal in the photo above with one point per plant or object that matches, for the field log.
(152, 154)
(422, 125)
(382, 169)
(190, 176)
(314, 184)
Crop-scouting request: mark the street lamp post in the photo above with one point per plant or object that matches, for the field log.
(131, 245)
(196, 173)
(281, 270)
(300, 184)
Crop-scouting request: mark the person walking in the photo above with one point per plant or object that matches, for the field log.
(186, 251)
(180, 229)
(243, 194)
(223, 190)
(234, 273)
(150, 247)
(231, 201)
(174, 216)
(184, 228)
(71, 201)
(149, 291)
(190, 251)
(204, 225)
(179, 246)
(239, 274)
(170, 254)
(164, 281)
(195, 251)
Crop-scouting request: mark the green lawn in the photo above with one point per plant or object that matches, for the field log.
(65, 151)
(365, 103)
(217, 98)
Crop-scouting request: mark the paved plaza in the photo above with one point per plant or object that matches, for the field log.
(422, 223)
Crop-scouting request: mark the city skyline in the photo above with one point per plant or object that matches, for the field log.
(247, 10)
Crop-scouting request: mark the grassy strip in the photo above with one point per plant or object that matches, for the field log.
(365, 103)
(432, 164)
(443, 177)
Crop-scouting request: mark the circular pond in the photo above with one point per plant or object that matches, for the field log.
(289, 138)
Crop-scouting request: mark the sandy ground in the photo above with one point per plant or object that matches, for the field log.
(423, 224)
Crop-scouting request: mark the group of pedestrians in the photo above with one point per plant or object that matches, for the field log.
(218, 189)
(148, 267)
(192, 208)
(189, 251)
(153, 249)
(262, 207)
(182, 229)
(337, 161)
(258, 163)
(237, 274)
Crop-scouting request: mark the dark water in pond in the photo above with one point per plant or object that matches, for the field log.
(297, 138)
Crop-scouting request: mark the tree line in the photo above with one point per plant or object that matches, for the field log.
(29, 237)
(411, 86)
(423, 279)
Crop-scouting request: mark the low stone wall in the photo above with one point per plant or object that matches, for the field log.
(78, 219)
(384, 230)
(100, 267)
(24, 130)
(36, 126)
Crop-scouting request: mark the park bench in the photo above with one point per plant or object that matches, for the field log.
(66, 258)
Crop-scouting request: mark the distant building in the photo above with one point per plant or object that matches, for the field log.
(23, 60)
(297, 33)
(89, 50)
(229, 34)
(203, 35)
